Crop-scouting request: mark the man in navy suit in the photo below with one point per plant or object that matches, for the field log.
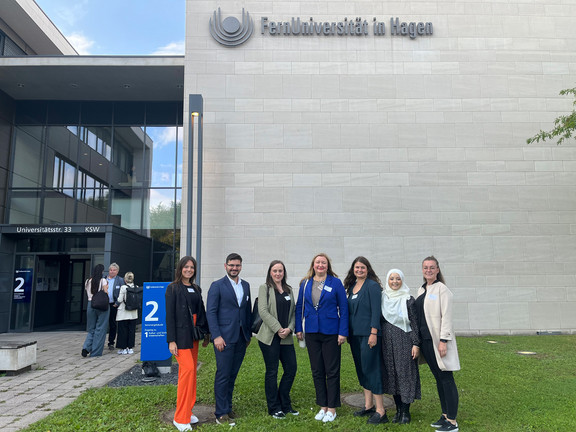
(228, 310)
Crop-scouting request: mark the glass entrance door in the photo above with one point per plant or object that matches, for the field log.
(76, 299)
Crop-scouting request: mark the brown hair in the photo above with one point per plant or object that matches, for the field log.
(439, 276)
(351, 279)
(183, 261)
(270, 282)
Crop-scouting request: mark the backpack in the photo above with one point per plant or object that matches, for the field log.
(133, 298)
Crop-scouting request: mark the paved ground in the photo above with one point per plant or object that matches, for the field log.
(60, 375)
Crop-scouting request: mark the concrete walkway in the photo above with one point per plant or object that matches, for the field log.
(60, 375)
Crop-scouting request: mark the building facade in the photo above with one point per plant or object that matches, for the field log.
(392, 130)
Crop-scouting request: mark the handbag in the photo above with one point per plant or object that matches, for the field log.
(256, 318)
(197, 332)
(100, 301)
(302, 343)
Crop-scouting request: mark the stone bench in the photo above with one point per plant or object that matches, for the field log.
(17, 357)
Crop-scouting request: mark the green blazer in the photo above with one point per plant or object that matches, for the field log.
(270, 324)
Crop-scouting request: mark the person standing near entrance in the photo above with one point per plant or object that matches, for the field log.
(115, 282)
(228, 310)
(96, 320)
(126, 319)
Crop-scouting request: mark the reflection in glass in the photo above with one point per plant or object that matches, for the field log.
(28, 158)
(161, 145)
(24, 207)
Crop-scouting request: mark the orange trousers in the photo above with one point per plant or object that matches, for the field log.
(186, 393)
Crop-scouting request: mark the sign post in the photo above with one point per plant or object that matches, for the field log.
(153, 340)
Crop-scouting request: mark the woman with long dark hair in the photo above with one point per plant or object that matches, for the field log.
(438, 346)
(322, 313)
(363, 287)
(96, 320)
(185, 310)
(276, 307)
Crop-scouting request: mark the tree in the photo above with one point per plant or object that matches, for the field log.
(564, 126)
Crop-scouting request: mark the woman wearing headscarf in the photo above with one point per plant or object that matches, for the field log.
(434, 308)
(364, 293)
(400, 345)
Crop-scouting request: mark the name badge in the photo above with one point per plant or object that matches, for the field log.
(191, 290)
(354, 296)
(433, 297)
(329, 289)
(287, 298)
(247, 298)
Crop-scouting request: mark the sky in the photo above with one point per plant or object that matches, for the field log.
(120, 27)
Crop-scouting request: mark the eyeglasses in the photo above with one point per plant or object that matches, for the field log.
(234, 265)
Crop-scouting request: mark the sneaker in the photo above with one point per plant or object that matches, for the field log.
(111, 346)
(440, 422)
(232, 415)
(121, 351)
(182, 426)
(194, 419)
(365, 412)
(225, 420)
(320, 415)
(292, 411)
(329, 417)
(448, 427)
(279, 415)
(85, 352)
(130, 351)
(378, 419)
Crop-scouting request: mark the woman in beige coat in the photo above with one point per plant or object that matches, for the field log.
(275, 338)
(438, 346)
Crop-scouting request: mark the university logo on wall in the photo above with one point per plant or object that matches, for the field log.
(230, 31)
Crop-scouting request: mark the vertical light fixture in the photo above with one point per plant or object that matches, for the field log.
(196, 109)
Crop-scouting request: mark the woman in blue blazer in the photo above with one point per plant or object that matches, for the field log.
(322, 313)
(364, 305)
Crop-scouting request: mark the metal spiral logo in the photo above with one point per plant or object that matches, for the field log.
(230, 32)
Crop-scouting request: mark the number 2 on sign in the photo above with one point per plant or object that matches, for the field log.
(150, 316)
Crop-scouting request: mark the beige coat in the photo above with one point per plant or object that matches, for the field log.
(270, 324)
(438, 313)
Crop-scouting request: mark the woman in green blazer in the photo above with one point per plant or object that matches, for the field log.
(276, 308)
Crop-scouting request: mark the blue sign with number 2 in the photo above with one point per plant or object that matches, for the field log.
(154, 345)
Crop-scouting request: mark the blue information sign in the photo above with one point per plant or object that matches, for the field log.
(23, 285)
(154, 345)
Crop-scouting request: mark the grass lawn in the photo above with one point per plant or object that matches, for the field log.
(500, 390)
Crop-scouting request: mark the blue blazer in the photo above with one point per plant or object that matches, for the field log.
(225, 317)
(331, 315)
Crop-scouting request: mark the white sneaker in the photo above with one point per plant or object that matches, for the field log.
(193, 419)
(329, 417)
(125, 351)
(182, 426)
(320, 415)
(120, 352)
(130, 351)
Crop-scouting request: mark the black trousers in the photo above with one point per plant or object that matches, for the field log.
(112, 324)
(324, 354)
(447, 390)
(126, 334)
(278, 395)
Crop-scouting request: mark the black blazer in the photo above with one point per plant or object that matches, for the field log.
(178, 320)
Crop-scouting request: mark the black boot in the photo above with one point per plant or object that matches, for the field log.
(405, 416)
(398, 414)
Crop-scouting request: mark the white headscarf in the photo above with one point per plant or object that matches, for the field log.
(394, 308)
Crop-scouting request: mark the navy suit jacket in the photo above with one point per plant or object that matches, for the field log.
(366, 311)
(331, 315)
(225, 317)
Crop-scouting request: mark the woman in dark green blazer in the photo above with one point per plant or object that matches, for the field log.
(364, 307)
(276, 341)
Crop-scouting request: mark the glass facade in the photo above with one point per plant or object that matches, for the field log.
(101, 162)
